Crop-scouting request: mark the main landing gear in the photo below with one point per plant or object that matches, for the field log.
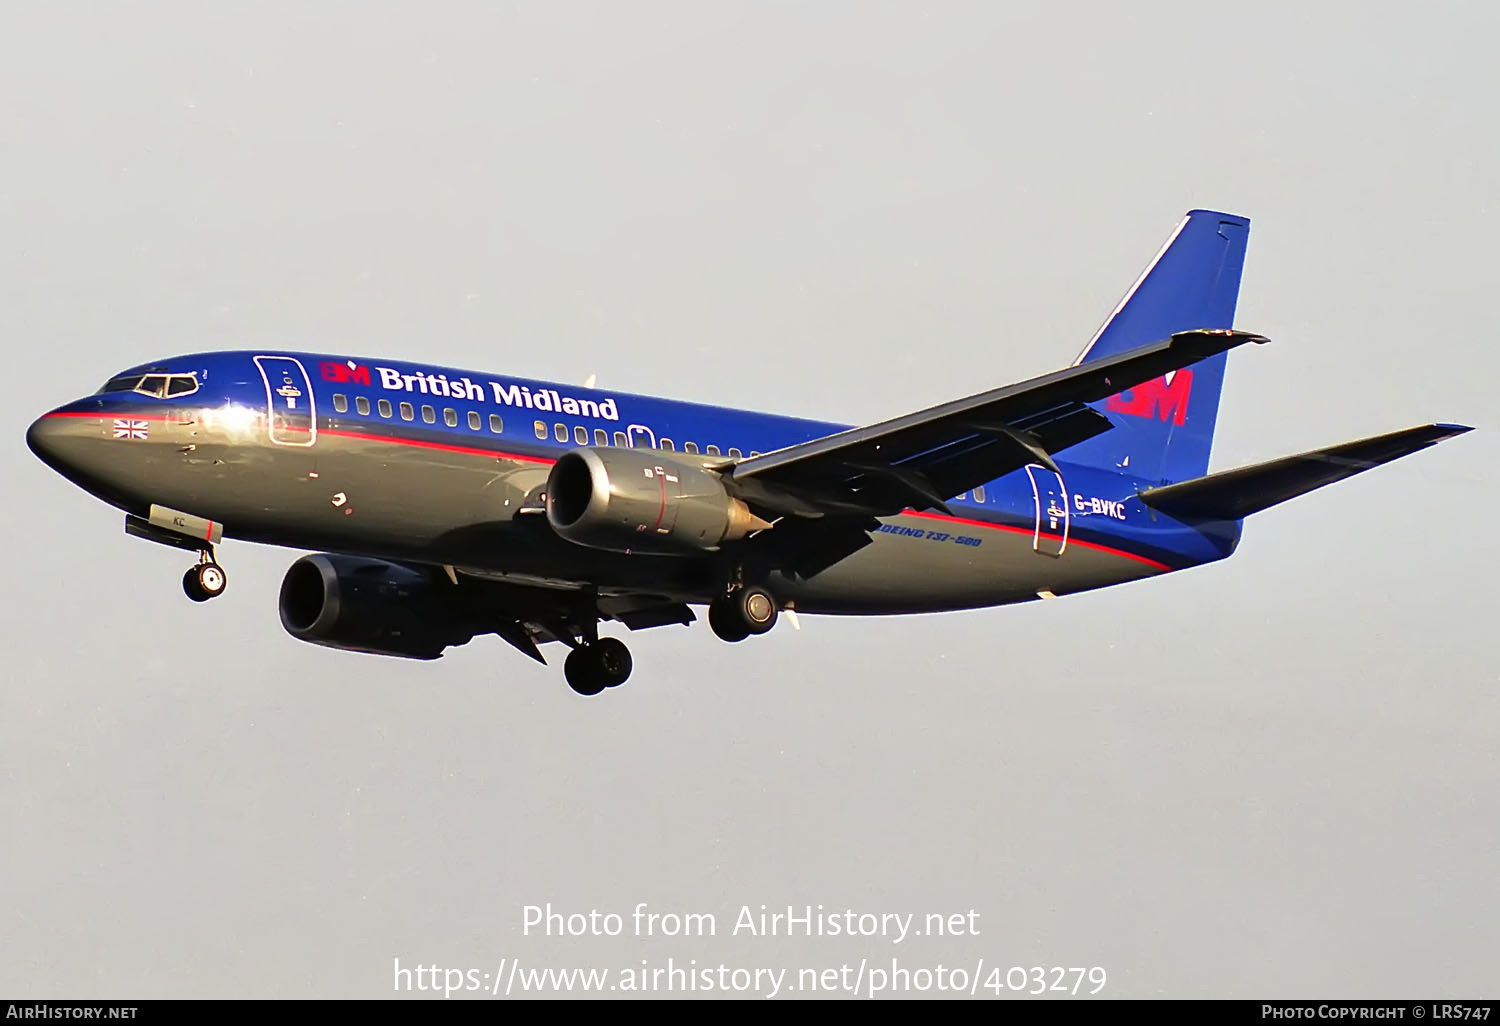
(596, 665)
(206, 580)
(742, 611)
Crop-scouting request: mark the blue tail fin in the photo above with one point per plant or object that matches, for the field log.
(1165, 428)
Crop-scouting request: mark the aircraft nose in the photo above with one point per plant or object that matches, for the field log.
(42, 438)
(73, 440)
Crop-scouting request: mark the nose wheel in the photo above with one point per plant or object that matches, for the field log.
(743, 611)
(206, 580)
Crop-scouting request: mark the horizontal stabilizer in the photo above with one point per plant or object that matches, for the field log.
(1234, 494)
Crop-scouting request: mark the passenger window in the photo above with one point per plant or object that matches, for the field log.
(407, 413)
(736, 454)
(429, 415)
(450, 417)
(385, 407)
(362, 405)
(341, 403)
(541, 430)
(181, 384)
(620, 440)
(666, 443)
(601, 437)
(690, 447)
(979, 494)
(560, 432)
(473, 420)
(754, 453)
(581, 435)
(962, 496)
(496, 425)
(712, 450)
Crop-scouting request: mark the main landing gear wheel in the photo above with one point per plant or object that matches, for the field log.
(724, 623)
(204, 581)
(742, 612)
(591, 668)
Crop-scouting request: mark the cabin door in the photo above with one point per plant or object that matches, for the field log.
(289, 400)
(1052, 519)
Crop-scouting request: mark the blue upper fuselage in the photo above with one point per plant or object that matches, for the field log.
(467, 411)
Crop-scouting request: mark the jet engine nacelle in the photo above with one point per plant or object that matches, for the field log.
(636, 500)
(367, 605)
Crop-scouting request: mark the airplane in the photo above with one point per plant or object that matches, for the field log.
(450, 504)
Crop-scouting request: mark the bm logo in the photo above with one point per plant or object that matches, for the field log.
(1165, 398)
(350, 373)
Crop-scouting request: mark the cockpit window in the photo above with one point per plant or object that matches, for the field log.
(158, 386)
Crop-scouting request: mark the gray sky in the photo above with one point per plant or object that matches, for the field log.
(1274, 776)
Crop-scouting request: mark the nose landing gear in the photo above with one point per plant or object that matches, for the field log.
(206, 580)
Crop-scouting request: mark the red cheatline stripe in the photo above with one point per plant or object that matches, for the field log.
(499, 454)
(1022, 530)
(423, 444)
(1145, 561)
(105, 415)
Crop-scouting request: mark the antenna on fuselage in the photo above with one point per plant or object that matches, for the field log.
(589, 381)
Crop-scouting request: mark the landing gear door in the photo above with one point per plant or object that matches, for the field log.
(1052, 516)
(289, 400)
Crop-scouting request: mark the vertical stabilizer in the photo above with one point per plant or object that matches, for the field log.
(1164, 428)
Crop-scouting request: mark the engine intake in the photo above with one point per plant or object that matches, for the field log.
(367, 605)
(633, 500)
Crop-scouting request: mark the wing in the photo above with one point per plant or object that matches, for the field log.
(923, 458)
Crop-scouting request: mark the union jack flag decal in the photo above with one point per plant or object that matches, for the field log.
(131, 429)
